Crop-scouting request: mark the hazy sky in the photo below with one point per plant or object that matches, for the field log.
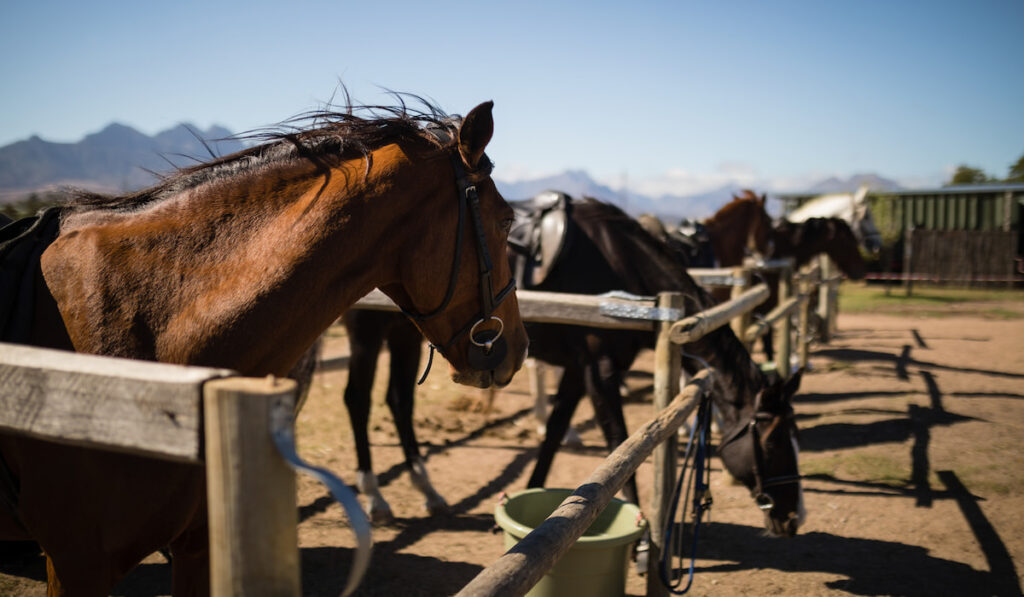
(676, 96)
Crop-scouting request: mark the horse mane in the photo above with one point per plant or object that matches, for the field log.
(325, 137)
(648, 266)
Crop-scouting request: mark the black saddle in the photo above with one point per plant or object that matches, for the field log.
(696, 239)
(22, 242)
(539, 235)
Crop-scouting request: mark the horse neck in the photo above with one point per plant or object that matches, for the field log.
(223, 268)
(730, 229)
(737, 378)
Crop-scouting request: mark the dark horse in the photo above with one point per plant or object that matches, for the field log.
(804, 241)
(242, 263)
(610, 251)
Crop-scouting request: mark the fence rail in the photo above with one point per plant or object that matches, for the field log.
(173, 412)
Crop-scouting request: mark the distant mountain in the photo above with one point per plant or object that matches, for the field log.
(672, 207)
(578, 183)
(118, 158)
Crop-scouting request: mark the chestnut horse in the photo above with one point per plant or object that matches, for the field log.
(740, 227)
(242, 263)
(609, 251)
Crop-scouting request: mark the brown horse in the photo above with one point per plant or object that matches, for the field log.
(242, 263)
(740, 227)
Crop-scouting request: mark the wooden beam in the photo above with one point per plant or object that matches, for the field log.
(697, 326)
(555, 307)
(150, 409)
(757, 329)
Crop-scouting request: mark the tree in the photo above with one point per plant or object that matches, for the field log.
(967, 175)
(1016, 171)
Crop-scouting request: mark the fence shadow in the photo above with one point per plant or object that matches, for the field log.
(869, 567)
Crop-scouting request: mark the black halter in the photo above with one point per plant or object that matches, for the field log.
(762, 499)
(487, 347)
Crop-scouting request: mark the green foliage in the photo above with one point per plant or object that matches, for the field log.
(968, 175)
(1016, 171)
(31, 204)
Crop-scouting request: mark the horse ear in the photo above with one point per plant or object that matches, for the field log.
(475, 133)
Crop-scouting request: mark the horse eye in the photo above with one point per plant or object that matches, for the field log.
(506, 225)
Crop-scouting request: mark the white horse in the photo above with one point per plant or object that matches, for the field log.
(852, 207)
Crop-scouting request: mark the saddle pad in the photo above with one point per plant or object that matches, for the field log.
(22, 242)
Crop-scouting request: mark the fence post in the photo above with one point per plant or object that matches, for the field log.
(667, 367)
(739, 324)
(824, 300)
(908, 258)
(804, 343)
(250, 491)
(784, 327)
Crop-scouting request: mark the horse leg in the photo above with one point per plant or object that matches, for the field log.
(190, 558)
(365, 341)
(570, 390)
(603, 382)
(405, 343)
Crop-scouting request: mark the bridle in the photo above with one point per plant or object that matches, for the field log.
(762, 499)
(487, 347)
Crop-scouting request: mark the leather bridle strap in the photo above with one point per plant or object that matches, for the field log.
(469, 200)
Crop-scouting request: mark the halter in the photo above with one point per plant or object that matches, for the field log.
(487, 347)
(762, 499)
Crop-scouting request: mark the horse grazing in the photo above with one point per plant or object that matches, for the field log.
(611, 251)
(242, 263)
(804, 241)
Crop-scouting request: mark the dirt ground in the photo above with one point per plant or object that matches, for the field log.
(911, 436)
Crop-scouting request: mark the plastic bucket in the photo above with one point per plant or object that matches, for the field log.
(596, 564)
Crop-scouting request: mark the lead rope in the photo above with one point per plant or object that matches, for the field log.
(697, 493)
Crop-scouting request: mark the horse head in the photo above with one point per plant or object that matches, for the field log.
(762, 452)
(476, 326)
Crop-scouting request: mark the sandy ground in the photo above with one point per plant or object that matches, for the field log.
(911, 439)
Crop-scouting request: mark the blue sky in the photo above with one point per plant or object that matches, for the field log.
(674, 97)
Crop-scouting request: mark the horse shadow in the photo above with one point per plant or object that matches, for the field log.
(869, 566)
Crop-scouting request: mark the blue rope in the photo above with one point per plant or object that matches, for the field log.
(698, 487)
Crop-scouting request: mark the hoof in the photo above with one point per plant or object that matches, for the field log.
(381, 516)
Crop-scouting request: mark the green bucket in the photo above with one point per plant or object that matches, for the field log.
(596, 564)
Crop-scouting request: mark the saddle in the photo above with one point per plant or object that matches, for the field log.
(22, 242)
(697, 242)
(539, 236)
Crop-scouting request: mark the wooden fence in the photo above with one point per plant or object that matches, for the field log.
(524, 565)
(212, 416)
(964, 257)
(184, 414)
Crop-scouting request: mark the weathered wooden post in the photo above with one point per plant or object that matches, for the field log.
(741, 322)
(250, 490)
(667, 367)
(804, 342)
(825, 300)
(785, 326)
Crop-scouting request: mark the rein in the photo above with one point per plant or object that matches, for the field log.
(698, 494)
(487, 347)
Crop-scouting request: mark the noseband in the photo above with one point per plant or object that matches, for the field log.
(762, 499)
(487, 347)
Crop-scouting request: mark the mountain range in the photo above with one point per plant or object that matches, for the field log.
(121, 159)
